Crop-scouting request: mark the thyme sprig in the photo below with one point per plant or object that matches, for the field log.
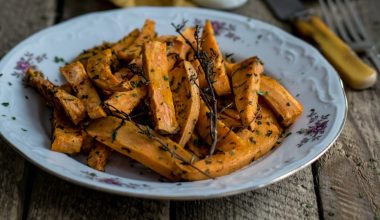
(145, 130)
(206, 61)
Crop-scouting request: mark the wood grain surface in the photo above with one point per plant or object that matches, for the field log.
(36, 14)
(343, 184)
(349, 173)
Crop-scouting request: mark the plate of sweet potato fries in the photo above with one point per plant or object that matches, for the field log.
(169, 103)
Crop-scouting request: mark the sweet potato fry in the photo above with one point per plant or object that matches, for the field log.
(98, 156)
(186, 100)
(147, 33)
(99, 71)
(286, 107)
(127, 101)
(221, 82)
(227, 139)
(76, 75)
(83, 57)
(67, 138)
(73, 107)
(126, 42)
(229, 121)
(266, 134)
(197, 146)
(126, 138)
(221, 163)
(246, 84)
(161, 100)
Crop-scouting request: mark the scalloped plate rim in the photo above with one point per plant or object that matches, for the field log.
(130, 192)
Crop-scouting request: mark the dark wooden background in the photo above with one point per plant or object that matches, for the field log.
(342, 184)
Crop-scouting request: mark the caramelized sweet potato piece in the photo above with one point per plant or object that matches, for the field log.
(229, 121)
(161, 99)
(266, 134)
(98, 156)
(73, 107)
(197, 146)
(127, 101)
(126, 138)
(83, 57)
(227, 139)
(221, 82)
(147, 33)
(221, 163)
(88, 142)
(246, 84)
(126, 42)
(286, 107)
(99, 71)
(36, 80)
(67, 138)
(76, 75)
(186, 100)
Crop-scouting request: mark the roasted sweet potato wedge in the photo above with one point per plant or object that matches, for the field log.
(161, 100)
(126, 42)
(209, 44)
(286, 107)
(99, 71)
(147, 33)
(197, 146)
(126, 101)
(266, 133)
(227, 139)
(246, 84)
(126, 138)
(183, 84)
(98, 156)
(83, 57)
(59, 98)
(221, 163)
(76, 75)
(67, 138)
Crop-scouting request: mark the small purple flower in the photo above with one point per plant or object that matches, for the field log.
(218, 27)
(316, 128)
(22, 65)
(112, 181)
(28, 60)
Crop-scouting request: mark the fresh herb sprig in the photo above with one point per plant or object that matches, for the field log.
(145, 130)
(206, 61)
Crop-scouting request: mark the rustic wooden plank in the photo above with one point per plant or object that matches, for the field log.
(36, 14)
(292, 198)
(72, 8)
(349, 174)
(53, 198)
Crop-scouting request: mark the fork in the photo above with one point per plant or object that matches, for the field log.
(342, 18)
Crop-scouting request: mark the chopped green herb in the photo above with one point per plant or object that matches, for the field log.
(269, 133)
(59, 60)
(297, 95)
(23, 129)
(1, 74)
(5, 104)
(13, 118)
(9, 83)
(26, 97)
(360, 195)
(232, 152)
(166, 78)
(260, 92)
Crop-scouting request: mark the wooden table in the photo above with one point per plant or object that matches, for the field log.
(342, 184)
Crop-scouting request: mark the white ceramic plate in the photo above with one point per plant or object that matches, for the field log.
(24, 120)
